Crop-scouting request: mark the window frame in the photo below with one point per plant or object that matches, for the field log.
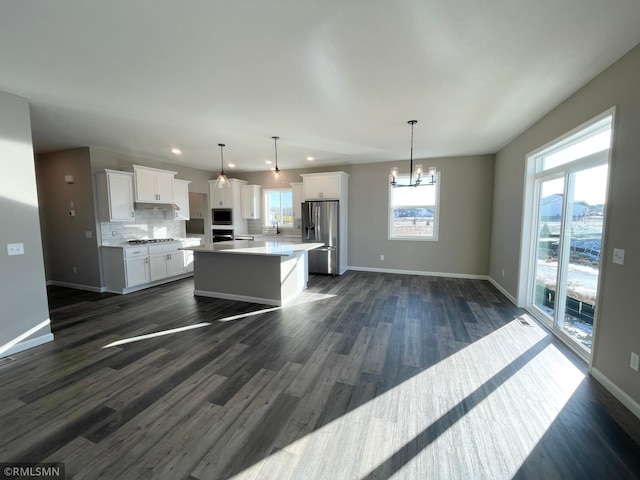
(435, 207)
(269, 223)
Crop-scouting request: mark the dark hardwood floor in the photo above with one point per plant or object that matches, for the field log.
(365, 376)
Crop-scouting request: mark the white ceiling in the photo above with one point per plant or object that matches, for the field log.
(335, 79)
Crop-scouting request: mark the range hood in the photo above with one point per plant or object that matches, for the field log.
(156, 206)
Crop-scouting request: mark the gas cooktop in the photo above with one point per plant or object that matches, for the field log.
(151, 240)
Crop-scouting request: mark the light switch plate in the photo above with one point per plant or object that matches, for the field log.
(618, 256)
(15, 248)
(635, 361)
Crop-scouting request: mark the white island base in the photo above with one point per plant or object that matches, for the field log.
(270, 273)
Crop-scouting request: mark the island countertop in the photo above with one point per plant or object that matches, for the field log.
(255, 247)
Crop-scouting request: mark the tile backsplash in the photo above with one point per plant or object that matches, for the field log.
(147, 224)
(257, 227)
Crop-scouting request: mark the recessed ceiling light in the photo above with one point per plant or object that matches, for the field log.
(176, 151)
(268, 162)
(311, 159)
(232, 165)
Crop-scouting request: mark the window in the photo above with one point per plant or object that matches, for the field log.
(413, 211)
(278, 207)
(595, 138)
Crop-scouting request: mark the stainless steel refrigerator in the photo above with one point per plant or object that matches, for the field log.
(320, 225)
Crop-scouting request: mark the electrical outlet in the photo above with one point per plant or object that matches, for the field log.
(503, 272)
(635, 361)
(618, 256)
(75, 270)
(381, 257)
(15, 248)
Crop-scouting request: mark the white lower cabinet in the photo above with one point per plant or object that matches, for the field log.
(188, 261)
(166, 261)
(137, 271)
(130, 268)
(136, 266)
(166, 265)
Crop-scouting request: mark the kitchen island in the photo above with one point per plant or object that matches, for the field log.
(267, 272)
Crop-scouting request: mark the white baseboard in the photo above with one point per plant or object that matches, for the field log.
(617, 392)
(32, 342)
(419, 272)
(77, 286)
(510, 297)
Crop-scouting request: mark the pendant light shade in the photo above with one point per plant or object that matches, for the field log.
(222, 181)
(278, 177)
(417, 172)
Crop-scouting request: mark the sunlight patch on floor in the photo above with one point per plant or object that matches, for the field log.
(188, 327)
(302, 298)
(309, 297)
(485, 407)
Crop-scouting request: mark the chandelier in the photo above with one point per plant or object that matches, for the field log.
(278, 178)
(222, 180)
(417, 172)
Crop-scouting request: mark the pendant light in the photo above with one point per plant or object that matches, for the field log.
(278, 177)
(222, 180)
(417, 171)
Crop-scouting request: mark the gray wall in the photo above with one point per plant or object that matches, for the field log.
(291, 175)
(101, 159)
(466, 186)
(64, 238)
(466, 190)
(618, 324)
(23, 294)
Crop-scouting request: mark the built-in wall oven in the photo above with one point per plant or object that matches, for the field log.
(221, 235)
(221, 216)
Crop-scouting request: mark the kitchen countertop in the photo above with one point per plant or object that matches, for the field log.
(255, 247)
(127, 245)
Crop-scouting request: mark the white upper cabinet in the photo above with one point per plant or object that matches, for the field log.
(153, 185)
(250, 201)
(181, 199)
(297, 199)
(220, 197)
(324, 186)
(115, 196)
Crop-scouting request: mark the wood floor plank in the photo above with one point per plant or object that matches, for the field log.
(364, 375)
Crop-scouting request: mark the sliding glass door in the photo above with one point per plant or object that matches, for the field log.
(569, 204)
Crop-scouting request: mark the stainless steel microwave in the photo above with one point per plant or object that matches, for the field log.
(221, 216)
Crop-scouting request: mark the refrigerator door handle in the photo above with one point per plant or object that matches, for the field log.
(325, 249)
(316, 219)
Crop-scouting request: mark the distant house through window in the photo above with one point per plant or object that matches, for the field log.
(278, 207)
(413, 211)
